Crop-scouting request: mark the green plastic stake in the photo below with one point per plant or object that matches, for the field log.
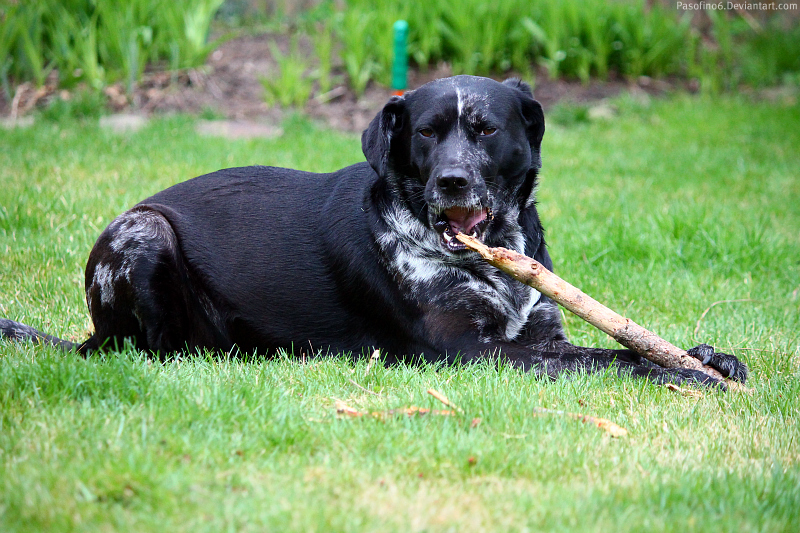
(400, 65)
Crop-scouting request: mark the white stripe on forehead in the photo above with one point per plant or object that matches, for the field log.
(468, 101)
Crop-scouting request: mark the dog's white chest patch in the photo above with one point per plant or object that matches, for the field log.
(413, 252)
(517, 320)
(414, 256)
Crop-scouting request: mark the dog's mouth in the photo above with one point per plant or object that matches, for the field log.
(471, 221)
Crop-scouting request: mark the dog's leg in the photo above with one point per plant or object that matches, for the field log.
(571, 358)
(544, 335)
(566, 357)
(138, 287)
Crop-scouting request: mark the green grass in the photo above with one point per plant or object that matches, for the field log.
(101, 41)
(658, 212)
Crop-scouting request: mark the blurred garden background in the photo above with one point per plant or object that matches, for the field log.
(249, 58)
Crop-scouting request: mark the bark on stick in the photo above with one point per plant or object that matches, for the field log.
(623, 330)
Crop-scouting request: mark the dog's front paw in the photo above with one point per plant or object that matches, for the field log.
(728, 365)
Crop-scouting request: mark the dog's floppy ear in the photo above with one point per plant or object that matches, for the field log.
(516, 83)
(377, 138)
(533, 115)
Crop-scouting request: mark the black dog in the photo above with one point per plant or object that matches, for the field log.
(265, 258)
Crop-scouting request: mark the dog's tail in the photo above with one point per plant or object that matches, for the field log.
(16, 331)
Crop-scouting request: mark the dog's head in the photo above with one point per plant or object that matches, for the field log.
(459, 152)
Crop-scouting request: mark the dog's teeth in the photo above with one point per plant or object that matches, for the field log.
(447, 237)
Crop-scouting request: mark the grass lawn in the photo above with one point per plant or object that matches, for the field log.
(659, 212)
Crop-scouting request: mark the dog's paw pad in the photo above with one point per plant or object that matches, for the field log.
(728, 365)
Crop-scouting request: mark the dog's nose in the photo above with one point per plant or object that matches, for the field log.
(452, 180)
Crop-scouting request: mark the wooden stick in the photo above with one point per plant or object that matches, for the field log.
(623, 330)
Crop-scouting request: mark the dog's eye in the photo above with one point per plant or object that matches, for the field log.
(426, 132)
(488, 131)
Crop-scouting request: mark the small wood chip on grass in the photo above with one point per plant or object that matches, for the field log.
(442, 398)
(376, 355)
(345, 410)
(689, 393)
(606, 425)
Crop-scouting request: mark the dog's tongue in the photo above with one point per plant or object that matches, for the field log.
(464, 219)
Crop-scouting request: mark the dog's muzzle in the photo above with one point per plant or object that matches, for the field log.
(471, 221)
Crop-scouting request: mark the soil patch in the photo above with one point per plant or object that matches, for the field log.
(229, 86)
